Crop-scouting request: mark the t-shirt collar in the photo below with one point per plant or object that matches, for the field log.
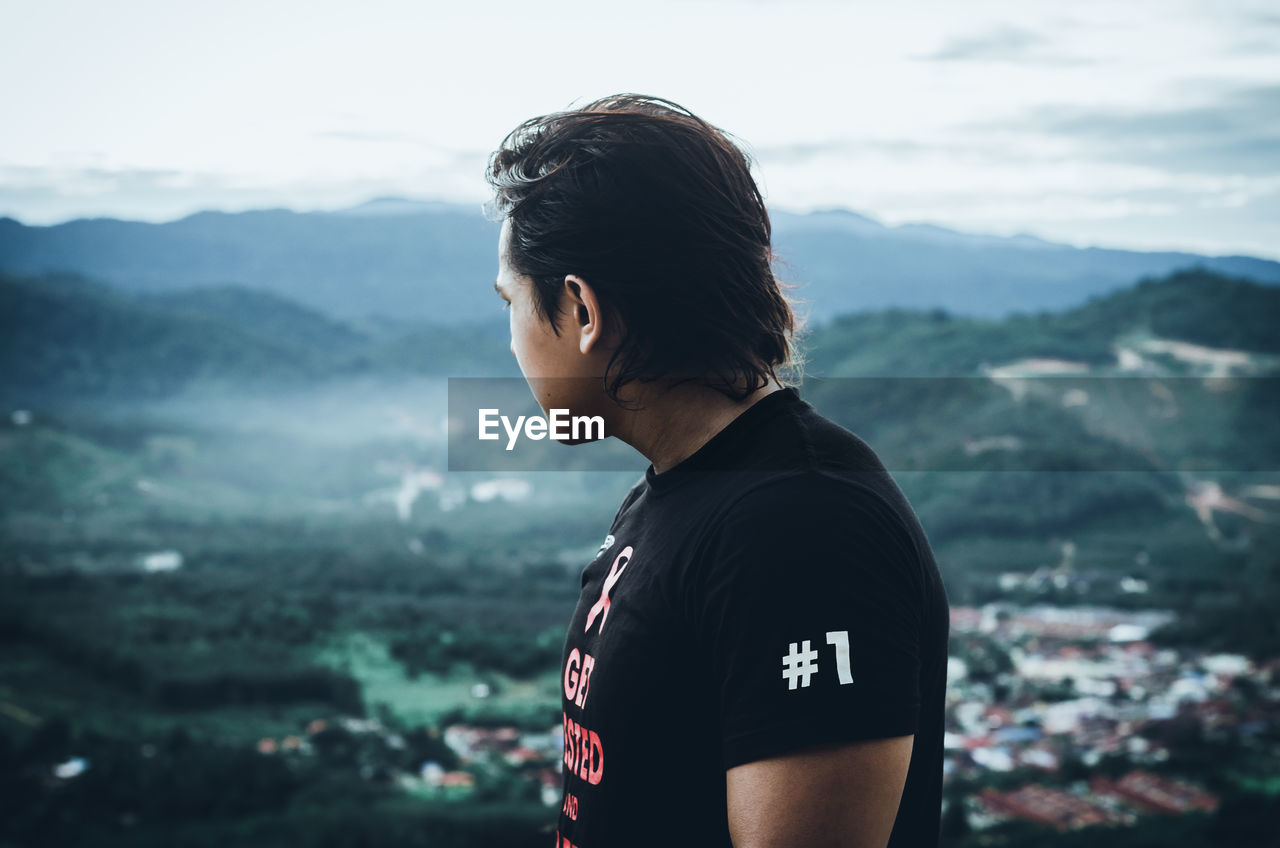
(718, 450)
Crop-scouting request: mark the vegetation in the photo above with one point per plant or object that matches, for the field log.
(186, 570)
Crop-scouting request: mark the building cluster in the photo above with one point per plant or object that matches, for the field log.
(533, 755)
(1065, 717)
(483, 754)
(1071, 687)
(512, 746)
(1100, 800)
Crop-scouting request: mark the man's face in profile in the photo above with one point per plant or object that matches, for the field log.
(559, 373)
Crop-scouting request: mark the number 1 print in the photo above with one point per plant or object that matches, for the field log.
(840, 638)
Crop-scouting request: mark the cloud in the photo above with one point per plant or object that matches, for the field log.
(1236, 133)
(436, 154)
(1243, 108)
(384, 137)
(87, 181)
(1002, 44)
(807, 151)
(1266, 19)
(48, 195)
(375, 137)
(1206, 173)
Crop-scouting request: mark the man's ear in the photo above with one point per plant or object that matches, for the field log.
(586, 313)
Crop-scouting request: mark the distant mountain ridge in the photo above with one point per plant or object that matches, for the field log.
(65, 333)
(433, 261)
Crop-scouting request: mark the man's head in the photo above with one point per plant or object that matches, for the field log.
(636, 228)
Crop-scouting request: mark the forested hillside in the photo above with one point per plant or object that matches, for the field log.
(233, 565)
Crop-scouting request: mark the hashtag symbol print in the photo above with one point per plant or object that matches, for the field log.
(799, 665)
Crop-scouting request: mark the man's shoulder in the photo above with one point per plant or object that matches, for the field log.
(633, 493)
(832, 446)
(824, 490)
(804, 439)
(811, 514)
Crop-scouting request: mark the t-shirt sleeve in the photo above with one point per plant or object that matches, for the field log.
(807, 612)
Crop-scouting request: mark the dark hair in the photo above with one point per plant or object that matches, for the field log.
(657, 209)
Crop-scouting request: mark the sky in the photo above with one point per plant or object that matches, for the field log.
(1148, 124)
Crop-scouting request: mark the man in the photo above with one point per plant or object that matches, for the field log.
(758, 656)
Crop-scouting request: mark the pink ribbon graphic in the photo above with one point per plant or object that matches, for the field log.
(601, 607)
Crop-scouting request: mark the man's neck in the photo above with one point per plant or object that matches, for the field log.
(672, 423)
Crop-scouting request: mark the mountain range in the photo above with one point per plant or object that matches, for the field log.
(394, 258)
(69, 335)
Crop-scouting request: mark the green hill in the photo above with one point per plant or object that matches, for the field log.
(65, 335)
(69, 335)
(1195, 305)
(261, 313)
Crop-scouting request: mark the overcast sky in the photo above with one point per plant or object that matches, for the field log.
(1144, 123)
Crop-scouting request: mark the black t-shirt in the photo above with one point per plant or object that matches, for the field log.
(772, 592)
